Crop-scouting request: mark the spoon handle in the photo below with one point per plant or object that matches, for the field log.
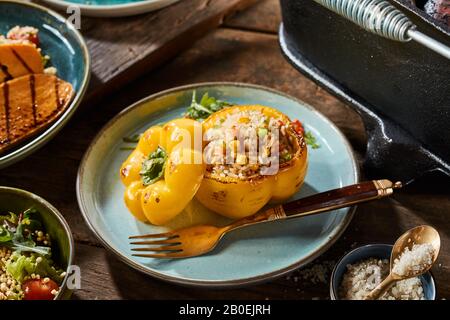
(381, 288)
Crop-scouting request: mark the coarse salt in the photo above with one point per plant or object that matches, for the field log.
(362, 277)
(415, 260)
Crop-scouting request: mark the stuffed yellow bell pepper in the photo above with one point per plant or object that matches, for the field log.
(164, 172)
(254, 155)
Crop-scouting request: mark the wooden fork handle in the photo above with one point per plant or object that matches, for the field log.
(340, 198)
(321, 202)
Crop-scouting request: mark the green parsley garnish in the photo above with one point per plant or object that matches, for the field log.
(311, 140)
(201, 110)
(153, 168)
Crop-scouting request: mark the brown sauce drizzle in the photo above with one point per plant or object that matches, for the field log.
(58, 100)
(26, 66)
(5, 71)
(6, 95)
(33, 97)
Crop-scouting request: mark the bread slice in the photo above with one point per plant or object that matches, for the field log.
(29, 104)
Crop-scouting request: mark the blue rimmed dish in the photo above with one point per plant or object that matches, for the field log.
(377, 251)
(68, 54)
(111, 8)
(247, 256)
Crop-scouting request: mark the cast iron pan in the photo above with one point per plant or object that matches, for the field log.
(401, 90)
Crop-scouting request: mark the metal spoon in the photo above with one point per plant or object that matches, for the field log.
(418, 235)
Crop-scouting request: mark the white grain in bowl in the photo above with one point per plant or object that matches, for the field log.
(362, 277)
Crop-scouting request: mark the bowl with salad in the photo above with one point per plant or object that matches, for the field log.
(36, 248)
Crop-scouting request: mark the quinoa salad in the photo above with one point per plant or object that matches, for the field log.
(27, 271)
(245, 142)
(27, 35)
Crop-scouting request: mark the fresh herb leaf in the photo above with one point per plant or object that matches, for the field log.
(29, 219)
(41, 250)
(153, 168)
(14, 236)
(208, 105)
(10, 218)
(311, 140)
(5, 234)
(132, 139)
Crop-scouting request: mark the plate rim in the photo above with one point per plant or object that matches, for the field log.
(215, 283)
(49, 133)
(113, 10)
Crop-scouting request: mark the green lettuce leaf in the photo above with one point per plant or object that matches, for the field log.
(20, 266)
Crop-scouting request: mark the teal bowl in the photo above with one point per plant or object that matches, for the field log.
(111, 8)
(17, 200)
(68, 54)
(378, 251)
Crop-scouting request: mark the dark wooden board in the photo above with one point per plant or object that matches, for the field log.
(223, 55)
(123, 48)
(265, 16)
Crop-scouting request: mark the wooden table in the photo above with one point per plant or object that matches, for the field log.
(245, 49)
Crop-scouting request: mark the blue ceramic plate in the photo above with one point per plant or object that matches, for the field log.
(245, 256)
(68, 52)
(111, 8)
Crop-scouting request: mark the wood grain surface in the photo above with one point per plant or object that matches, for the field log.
(123, 48)
(265, 16)
(231, 53)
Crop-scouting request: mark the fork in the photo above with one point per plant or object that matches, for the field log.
(197, 240)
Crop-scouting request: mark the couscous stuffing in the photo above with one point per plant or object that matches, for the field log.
(245, 142)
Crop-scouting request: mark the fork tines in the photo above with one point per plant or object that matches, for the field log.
(165, 245)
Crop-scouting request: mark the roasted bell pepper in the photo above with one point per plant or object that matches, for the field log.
(164, 172)
(235, 197)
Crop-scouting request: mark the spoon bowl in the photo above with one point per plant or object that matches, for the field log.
(418, 235)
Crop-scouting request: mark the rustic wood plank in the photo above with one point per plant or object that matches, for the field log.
(123, 48)
(224, 55)
(264, 16)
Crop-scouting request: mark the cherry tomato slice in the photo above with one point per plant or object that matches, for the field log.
(37, 289)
